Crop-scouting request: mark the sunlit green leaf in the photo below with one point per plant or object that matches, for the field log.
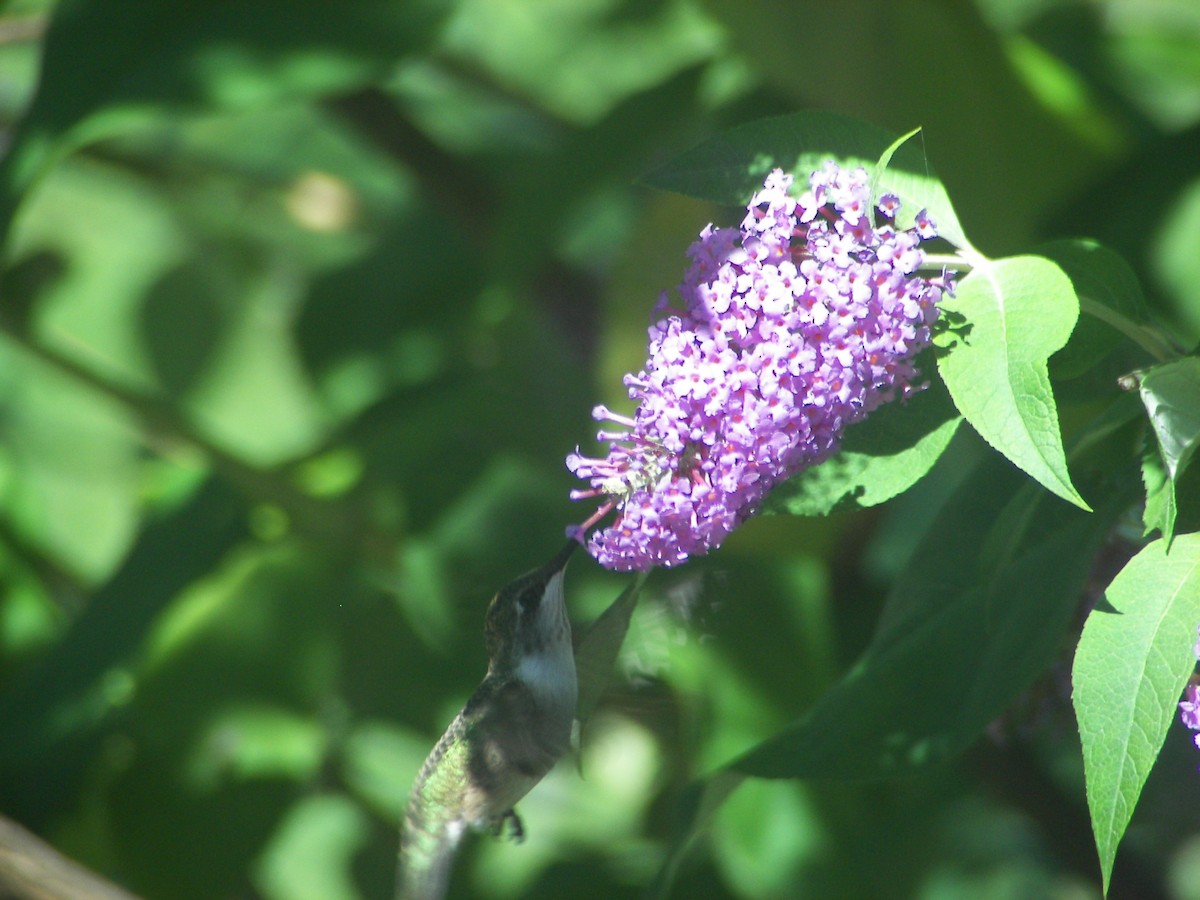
(579, 59)
(65, 690)
(72, 477)
(1133, 660)
(104, 241)
(247, 741)
(730, 167)
(1171, 252)
(763, 835)
(911, 179)
(1019, 311)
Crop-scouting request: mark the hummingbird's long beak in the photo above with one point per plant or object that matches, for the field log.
(559, 562)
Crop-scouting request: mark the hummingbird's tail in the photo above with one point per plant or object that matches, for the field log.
(426, 853)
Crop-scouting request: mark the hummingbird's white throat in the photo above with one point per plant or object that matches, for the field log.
(548, 668)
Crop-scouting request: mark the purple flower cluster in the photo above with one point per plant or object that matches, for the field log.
(1189, 706)
(794, 326)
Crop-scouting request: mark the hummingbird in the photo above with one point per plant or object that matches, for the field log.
(513, 729)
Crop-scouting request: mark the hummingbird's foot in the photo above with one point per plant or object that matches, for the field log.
(518, 830)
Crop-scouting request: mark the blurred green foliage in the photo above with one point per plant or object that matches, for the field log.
(302, 306)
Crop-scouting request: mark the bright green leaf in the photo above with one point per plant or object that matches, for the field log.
(118, 240)
(379, 763)
(71, 488)
(1133, 660)
(64, 691)
(1019, 311)
(579, 60)
(764, 835)
(253, 740)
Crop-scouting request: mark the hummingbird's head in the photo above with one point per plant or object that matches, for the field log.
(528, 616)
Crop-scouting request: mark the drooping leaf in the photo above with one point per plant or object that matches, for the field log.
(1131, 665)
(1160, 510)
(1171, 394)
(1020, 311)
(880, 458)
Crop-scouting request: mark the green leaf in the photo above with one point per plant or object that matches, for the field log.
(962, 634)
(903, 171)
(880, 458)
(111, 64)
(1112, 306)
(731, 166)
(764, 834)
(1171, 395)
(693, 813)
(79, 509)
(253, 739)
(1020, 311)
(1161, 509)
(379, 762)
(1133, 660)
(310, 856)
(67, 689)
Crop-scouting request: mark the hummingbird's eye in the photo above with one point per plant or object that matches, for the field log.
(530, 598)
